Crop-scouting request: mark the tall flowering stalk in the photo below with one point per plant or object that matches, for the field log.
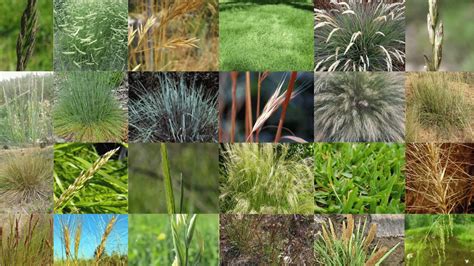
(435, 32)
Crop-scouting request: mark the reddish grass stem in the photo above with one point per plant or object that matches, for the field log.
(248, 105)
(291, 85)
(233, 76)
(259, 87)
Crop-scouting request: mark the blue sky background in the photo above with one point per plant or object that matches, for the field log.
(93, 226)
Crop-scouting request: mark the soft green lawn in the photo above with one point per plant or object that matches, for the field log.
(266, 35)
(10, 17)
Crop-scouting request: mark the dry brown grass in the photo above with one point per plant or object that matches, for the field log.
(439, 178)
(173, 35)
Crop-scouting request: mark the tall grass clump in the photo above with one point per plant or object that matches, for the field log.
(359, 178)
(263, 178)
(355, 36)
(26, 240)
(25, 110)
(439, 105)
(90, 34)
(85, 182)
(86, 109)
(175, 111)
(25, 179)
(439, 178)
(352, 246)
(359, 107)
(173, 35)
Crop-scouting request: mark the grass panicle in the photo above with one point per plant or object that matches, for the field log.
(436, 34)
(27, 36)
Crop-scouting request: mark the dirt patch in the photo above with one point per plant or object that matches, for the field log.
(266, 239)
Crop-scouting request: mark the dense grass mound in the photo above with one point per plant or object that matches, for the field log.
(441, 104)
(86, 108)
(359, 178)
(25, 178)
(262, 178)
(359, 107)
(265, 35)
(176, 111)
(90, 34)
(355, 36)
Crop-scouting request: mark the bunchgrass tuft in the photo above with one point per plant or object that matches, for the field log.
(175, 111)
(87, 110)
(90, 34)
(25, 178)
(435, 102)
(264, 178)
(359, 107)
(355, 36)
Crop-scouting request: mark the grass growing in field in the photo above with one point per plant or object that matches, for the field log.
(199, 177)
(90, 239)
(85, 182)
(25, 180)
(86, 109)
(279, 30)
(25, 110)
(439, 239)
(41, 54)
(178, 108)
(439, 106)
(355, 36)
(90, 34)
(439, 178)
(26, 240)
(173, 35)
(352, 246)
(153, 240)
(359, 107)
(265, 178)
(359, 178)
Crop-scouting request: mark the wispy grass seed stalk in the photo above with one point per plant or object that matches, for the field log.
(27, 37)
(436, 34)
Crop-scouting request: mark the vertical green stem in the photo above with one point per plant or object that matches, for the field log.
(167, 180)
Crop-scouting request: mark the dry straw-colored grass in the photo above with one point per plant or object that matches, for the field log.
(173, 35)
(439, 178)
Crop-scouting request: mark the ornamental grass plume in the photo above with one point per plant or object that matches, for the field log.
(435, 32)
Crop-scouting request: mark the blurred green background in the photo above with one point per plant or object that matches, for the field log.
(197, 163)
(151, 242)
(457, 16)
(10, 17)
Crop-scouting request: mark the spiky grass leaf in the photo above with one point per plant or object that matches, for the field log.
(354, 36)
(359, 107)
